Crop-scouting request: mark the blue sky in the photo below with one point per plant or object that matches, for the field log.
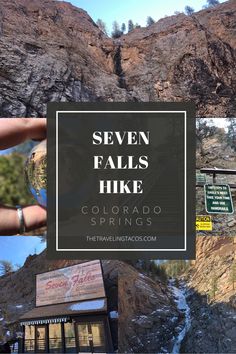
(5, 152)
(137, 10)
(17, 248)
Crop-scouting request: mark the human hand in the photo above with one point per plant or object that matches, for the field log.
(34, 217)
(13, 132)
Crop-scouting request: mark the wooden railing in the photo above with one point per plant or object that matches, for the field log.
(217, 171)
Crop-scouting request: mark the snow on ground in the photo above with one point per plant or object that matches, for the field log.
(1, 315)
(180, 299)
(88, 305)
(113, 314)
(19, 306)
(142, 275)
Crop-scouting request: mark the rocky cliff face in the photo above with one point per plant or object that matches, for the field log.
(212, 297)
(214, 259)
(217, 154)
(53, 51)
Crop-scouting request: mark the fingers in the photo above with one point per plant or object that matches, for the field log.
(14, 131)
(37, 128)
(34, 216)
(9, 221)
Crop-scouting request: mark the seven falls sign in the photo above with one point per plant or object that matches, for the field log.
(121, 182)
(218, 199)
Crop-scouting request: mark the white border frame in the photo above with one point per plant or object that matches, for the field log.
(185, 187)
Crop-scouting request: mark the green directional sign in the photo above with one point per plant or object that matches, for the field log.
(218, 199)
(200, 178)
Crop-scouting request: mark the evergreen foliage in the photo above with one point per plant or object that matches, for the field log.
(212, 3)
(150, 21)
(6, 267)
(204, 129)
(174, 268)
(213, 287)
(13, 189)
(102, 26)
(231, 134)
(123, 27)
(116, 32)
(189, 10)
(130, 26)
(233, 275)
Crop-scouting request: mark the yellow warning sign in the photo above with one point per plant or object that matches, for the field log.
(203, 223)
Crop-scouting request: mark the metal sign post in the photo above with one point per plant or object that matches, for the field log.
(200, 178)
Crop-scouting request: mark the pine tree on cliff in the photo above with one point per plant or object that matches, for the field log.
(116, 32)
(130, 26)
(214, 287)
(233, 275)
(204, 129)
(123, 27)
(6, 267)
(173, 268)
(102, 26)
(150, 21)
(231, 134)
(189, 10)
(13, 189)
(211, 3)
(156, 270)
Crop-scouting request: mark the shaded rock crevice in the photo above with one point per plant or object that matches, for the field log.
(118, 68)
(222, 55)
(212, 327)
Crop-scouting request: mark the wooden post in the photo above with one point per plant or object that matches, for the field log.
(214, 177)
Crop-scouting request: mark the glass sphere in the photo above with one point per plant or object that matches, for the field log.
(36, 173)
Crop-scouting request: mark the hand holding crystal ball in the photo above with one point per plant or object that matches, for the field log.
(36, 173)
(16, 219)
